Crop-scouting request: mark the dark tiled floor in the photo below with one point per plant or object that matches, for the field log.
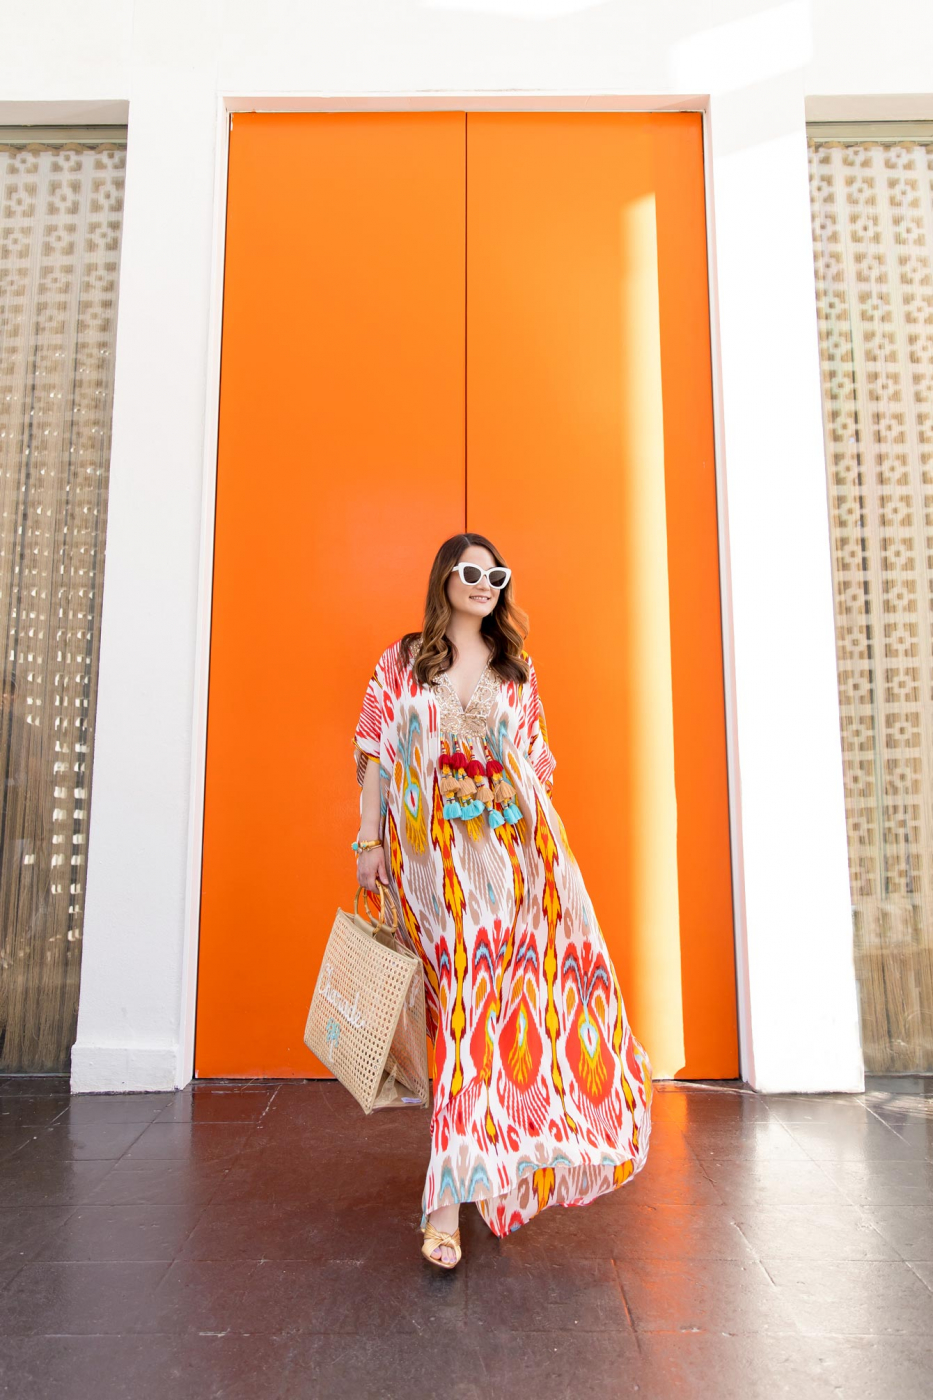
(259, 1240)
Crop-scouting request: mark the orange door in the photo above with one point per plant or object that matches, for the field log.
(341, 465)
(590, 463)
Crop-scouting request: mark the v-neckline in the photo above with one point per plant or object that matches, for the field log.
(453, 688)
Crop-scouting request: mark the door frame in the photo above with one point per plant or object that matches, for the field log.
(227, 105)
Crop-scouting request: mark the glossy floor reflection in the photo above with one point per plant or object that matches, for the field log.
(260, 1240)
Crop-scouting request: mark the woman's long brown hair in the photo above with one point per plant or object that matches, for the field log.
(505, 628)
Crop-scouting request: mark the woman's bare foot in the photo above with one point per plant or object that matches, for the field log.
(446, 1220)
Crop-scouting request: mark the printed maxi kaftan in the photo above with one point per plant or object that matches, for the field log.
(542, 1094)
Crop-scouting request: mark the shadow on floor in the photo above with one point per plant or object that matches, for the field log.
(260, 1240)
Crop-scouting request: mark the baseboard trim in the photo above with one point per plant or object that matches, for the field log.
(102, 1069)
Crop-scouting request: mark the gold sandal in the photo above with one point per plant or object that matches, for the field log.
(433, 1239)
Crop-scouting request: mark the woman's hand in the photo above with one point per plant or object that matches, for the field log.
(371, 867)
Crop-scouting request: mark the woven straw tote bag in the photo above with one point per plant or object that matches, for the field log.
(367, 1021)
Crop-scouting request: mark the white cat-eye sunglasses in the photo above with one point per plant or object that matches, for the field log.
(471, 574)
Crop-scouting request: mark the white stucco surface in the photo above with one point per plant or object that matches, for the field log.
(756, 68)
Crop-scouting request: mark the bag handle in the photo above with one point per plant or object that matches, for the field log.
(383, 902)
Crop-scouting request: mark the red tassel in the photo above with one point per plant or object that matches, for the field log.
(447, 781)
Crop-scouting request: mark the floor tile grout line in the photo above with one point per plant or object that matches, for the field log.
(927, 1283)
(878, 1119)
(73, 1208)
(625, 1303)
(722, 1199)
(14, 1276)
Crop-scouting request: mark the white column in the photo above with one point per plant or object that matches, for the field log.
(135, 974)
(798, 998)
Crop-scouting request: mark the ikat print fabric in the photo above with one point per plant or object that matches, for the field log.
(542, 1095)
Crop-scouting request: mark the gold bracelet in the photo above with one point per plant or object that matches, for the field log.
(361, 846)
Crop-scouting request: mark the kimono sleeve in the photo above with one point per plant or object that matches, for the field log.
(537, 751)
(367, 737)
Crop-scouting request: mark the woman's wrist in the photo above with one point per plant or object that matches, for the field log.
(363, 847)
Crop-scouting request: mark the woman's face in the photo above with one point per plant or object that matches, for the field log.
(479, 599)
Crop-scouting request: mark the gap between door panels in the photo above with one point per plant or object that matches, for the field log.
(466, 326)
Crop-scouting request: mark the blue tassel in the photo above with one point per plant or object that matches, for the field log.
(496, 818)
(476, 809)
(513, 813)
(453, 809)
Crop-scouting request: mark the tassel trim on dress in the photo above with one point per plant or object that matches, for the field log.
(472, 787)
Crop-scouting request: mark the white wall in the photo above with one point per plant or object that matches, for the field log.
(751, 63)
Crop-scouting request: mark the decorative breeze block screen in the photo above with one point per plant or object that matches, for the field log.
(60, 224)
(873, 243)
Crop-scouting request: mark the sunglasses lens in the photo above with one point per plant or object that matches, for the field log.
(498, 577)
(471, 573)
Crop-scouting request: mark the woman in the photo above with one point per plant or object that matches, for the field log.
(541, 1093)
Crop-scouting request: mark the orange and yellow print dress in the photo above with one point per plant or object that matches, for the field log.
(542, 1094)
